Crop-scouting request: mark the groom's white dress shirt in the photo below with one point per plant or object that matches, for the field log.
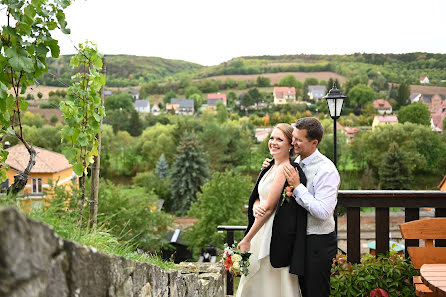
(319, 197)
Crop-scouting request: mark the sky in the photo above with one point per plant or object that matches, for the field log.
(209, 32)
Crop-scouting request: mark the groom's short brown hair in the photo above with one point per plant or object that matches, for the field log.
(313, 126)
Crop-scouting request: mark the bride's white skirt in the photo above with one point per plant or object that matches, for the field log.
(263, 279)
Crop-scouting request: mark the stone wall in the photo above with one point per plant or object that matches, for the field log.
(34, 261)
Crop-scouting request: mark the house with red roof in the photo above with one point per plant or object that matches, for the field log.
(384, 120)
(216, 97)
(50, 169)
(382, 106)
(424, 80)
(283, 95)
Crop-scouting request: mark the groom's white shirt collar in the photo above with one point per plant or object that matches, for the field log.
(308, 159)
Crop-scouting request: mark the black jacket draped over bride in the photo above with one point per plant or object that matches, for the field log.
(289, 227)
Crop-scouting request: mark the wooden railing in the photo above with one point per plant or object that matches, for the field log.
(411, 201)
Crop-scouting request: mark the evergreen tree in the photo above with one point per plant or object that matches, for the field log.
(222, 113)
(189, 173)
(403, 95)
(162, 168)
(394, 172)
(135, 124)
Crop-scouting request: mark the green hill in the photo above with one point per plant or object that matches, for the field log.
(122, 70)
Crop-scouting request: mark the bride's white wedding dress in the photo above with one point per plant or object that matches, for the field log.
(263, 279)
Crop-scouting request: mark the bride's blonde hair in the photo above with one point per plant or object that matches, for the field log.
(287, 129)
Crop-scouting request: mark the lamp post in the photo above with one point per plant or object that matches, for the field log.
(335, 100)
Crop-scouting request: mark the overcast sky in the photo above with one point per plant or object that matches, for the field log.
(209, 32)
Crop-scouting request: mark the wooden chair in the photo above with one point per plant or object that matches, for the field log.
(429, 230)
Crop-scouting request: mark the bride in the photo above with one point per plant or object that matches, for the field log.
(277, 256)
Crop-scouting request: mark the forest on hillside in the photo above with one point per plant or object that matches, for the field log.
(124, 71)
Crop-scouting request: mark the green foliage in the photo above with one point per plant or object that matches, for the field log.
(403, 95)
(390, 272)
(417, 113)
(31, 119)
(359, 95)
(151, 182)
(424, 148)
(119, 101)
(221, 202)
(162, 168)
(290, 80)
(135, 125)
(25, 40)
(124, 70)
(83, 110)
(169, 95)
(394, 172)
(133, 216)
(189, 173)
(226, 144)
(154, 141)
(222, 113)
(263, 81)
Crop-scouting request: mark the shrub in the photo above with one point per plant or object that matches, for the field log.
(391, 273)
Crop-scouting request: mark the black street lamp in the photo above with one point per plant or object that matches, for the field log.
(335, 100)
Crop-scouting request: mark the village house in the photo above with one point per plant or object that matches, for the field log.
(382, 106)
(350, 133)
(415, 97)
(283, 95)
(433, 101)
(142, 106)
(156, 109)
(181, 106)
(133, 92)
(384, 120)
(50, 168)
(316, 92)
(424, 80)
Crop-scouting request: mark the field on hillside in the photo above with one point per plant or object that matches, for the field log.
(427, 89)
(275, 77)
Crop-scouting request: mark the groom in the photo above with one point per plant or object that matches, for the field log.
(319, 198)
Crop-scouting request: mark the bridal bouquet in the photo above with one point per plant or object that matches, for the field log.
(236, 262)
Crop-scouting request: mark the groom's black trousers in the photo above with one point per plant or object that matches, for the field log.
(320, 251)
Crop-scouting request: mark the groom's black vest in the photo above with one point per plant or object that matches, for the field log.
(289, 228)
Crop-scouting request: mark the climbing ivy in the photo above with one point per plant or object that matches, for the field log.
(25, 40)
(83, 111)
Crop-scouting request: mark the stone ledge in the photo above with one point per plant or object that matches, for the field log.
(37, 262)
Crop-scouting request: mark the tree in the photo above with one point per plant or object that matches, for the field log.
(311, 81)
(119, 101)
(162, 168)
(222, 113)
(135, 126)
(403, 95)
(263, 81)
(169, 95)
(394, 172)
(290, 80)
(359, 95)
(417, 113)
(189, 173)
(39, 95)
(222, 202)
(198, 101)
(25, 40)
(232, 98)
(154, 141)
(192, 90)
